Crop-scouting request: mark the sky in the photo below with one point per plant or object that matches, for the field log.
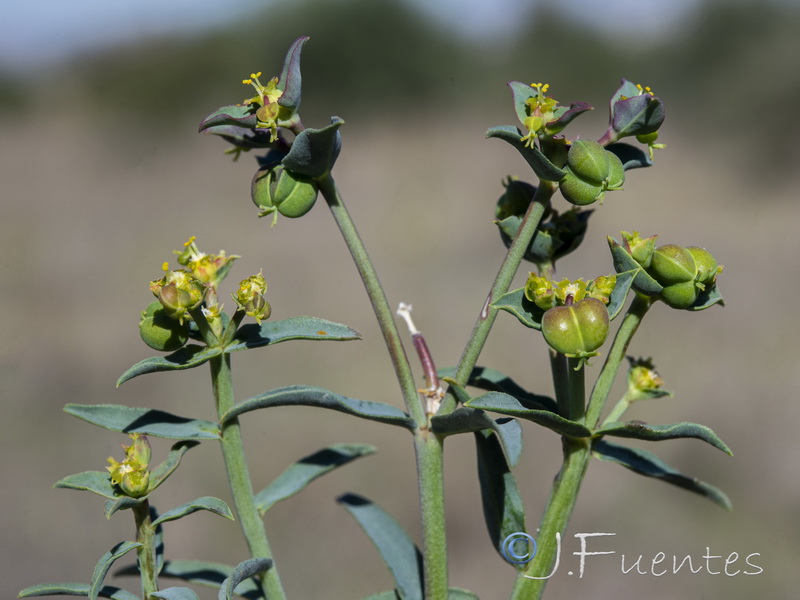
(40, 32)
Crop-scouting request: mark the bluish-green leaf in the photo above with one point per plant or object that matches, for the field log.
(637, 115)
(631, 156)
(465, 420)
(493, 380)
(75, 589)
(198, 572)
(656, 433)
(209, 503)
(238, 115)
(394, 545)
(508, 405)
(503, 509)
(620, 292)
(290, 81)
(104, 564)
(648, 464)
(148, 421)
(708, 298)
(241, 572)
(301, 395)
(307, 469)
(122, 503)
(520, 93)
(517, 304)
(159, 474)
(97, 482)
(176, 593)
(314, 151)
(188, 357)
(543, 168)
(564, 115)
(242, 137)
(253, 335)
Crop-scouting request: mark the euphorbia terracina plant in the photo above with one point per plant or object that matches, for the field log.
(575, 317)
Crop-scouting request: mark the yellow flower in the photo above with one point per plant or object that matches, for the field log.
(267, 101)
(540, 110)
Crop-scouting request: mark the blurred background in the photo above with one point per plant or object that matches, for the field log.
(103, 176)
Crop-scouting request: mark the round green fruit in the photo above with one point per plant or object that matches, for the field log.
(295, 194)
(160, 331)
(576, 330)
(706, 264)
(680, 295)
(579, 192)
(672, 264)
(589, 161)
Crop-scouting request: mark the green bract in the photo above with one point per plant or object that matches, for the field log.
(576, 330)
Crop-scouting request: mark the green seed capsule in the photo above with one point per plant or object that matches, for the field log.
(672, 264)
(160, 331)
(261, 188)
(579, 192)
(707, 266)
(616, 172)
(577, 330)
(589, 161)
(680, 295)
(295, 194)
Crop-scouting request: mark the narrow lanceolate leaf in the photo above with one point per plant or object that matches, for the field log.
(307, 469)
(503, 509)
(517, 304)
(121, 503)
(244, 570)
(493, 380)
(656, 433)
(314, 151)
(148, 421)
(97, 482)
(75, 589)
(166, 468)
(209, 503)
(648, 464)
(295, 328)
(465, 420)
(188, 357)
(104, 564)
(543, 168)
(175, 593)
(301, 395)
(394, 545)
(208, 574)
(508, 405)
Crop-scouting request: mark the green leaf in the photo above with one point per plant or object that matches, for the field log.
(521, 92)
(209, 503)
(104, 564)
(624, 262)
(508, 405)
(708, 298)
(647, 464)
(75, 589)
(290, 80)
(503, 509)
(244, 570)
(517, 304)
(198, 572)
(297, 476)
(148, 421)
(301, 395)
(565, 115)
(235, 114)
(394, 545)
(188, 357)
(637, 115)
(242, 137)
(122, 503)
(97, 482)
(493, 380)
(176, 593)
(656, 433)
(166, 468)
(465, 420)
(253, 335)
(314, 151)
(543, 168)
(620, 292)
(631, 156)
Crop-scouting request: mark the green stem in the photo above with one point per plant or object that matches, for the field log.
(619, 409)
(501, 284)
(146, 553)
(429, 453)
(377, 297)
(560, 505)
(616, 355)
(239, 477)
(576, 405)
(558, 368)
